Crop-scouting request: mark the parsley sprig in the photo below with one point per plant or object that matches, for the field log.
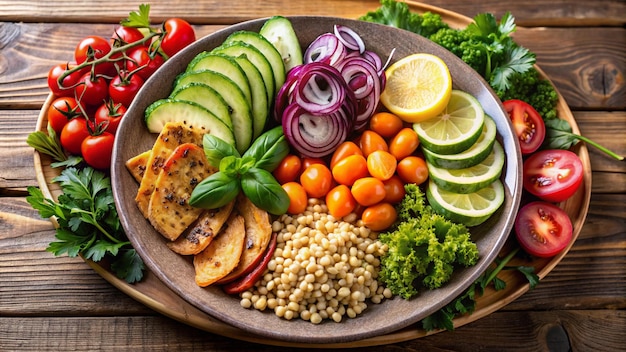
(88, 221)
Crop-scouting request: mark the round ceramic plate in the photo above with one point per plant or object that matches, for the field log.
(177, 272)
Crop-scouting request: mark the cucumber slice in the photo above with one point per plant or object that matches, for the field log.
(279, 31)
(267, 49)
(225, 65)
(256, 57)
(206, 96)
(240, 108)
(260, 104)
(169, 110)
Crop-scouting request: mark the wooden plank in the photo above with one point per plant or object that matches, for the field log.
(530, 13)
(601, 127)
(591, 81)
(528, 331)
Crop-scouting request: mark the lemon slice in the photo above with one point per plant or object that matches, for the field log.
(418, 87)
(456, 128)
(470, 157)
(469, 209)
(470, 179)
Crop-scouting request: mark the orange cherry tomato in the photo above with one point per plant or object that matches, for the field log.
(350, 169)
(394, 189)
(371, 141)
(380, 216)
(404, 143)
(308, 161)
(412, 169)
(386, 124)
(340, 201)
(381, 164)
(368, 191)
(316, 180)
(288, 169)
(345, 149)
(298, 198)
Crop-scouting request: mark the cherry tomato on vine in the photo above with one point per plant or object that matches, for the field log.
(142, 57)
(123, 35)
(73, 134)
(92, 90)
(371, 141)
(543, 229)
(288, 169)
(61, 111)
(110, 113)
(404, 143)
(124, 87)
(97, 150)
(380, 216)
(298, 198)
(91, 48)
(178, 34)
(553, 175)
(412, 169)
(344, 150)
(340, 201)
(316, 180)
(368, 191)
(69, 82)
(527, 123)
(386, 124)
(349, 169)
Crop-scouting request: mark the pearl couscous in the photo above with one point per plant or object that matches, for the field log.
(323, 268)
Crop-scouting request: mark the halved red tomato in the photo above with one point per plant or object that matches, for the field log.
(543, 229)
(527, 123)
(553, 175)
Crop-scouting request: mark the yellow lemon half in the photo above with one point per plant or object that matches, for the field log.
(418, 87)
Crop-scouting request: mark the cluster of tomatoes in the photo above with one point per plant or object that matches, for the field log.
(93, 92)
(365, 176)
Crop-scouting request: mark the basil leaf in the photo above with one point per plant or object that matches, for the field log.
(558, 135)
(264, 191)
(216, 149)
(214, 191)
(269, 149)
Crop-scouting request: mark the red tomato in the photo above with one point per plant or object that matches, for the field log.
(91, 48)
(92, 91)
(380, 216)
(69, 81)
(73, 134)
(142, 57)
(316, 180)
(553, 175)
(123, 35)
(394, 189)
(307, 161)
(386, 124)
(288, 169)
(97, 150)
(178, 34)
(349, 169)
(543, 229)
(527, 123)
(412, 169)
(61, 111)
(345, 149)
(404, 143)
(111, 114)
(298, 199)
(124, 87)
(340, 201)
(368, 191)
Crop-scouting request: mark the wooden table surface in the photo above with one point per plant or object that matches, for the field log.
(61, 304)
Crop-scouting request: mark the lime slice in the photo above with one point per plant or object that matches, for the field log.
(469, 209)
(470, 179)
(456, 128)
(470, 157)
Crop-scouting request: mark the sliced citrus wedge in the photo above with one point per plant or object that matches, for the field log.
(418, 87)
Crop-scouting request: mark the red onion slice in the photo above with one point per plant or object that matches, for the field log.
(349, 38)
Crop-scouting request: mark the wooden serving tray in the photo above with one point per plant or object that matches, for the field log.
(157, 296)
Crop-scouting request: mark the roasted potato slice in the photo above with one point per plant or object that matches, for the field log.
(173, 135)
(195, 239)
(137, 165)
(258, 234)
(168, 209)
(222, 255)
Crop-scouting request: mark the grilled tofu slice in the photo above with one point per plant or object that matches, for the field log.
(168, 208)
(137, 165)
